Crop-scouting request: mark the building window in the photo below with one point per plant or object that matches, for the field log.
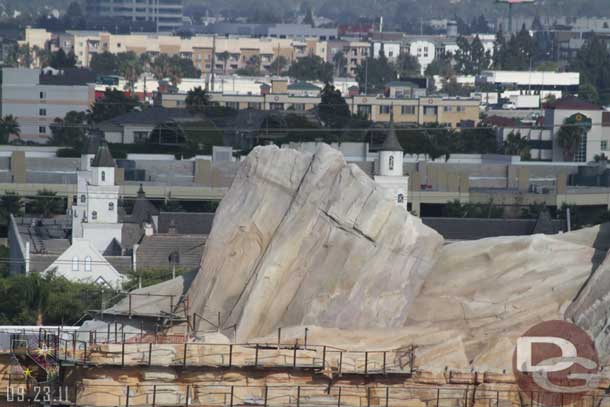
(364, 110)
(430, 110)
(401, 198)
(407, 109)
(74, 263)
(276, 106)
(233, 105)
(446, 108)
(391, 163)
(299, 107)
(94, 215)
(42, 112)
(87, 263)
(103, 176)
(604, 145)
(111, 206)
(461, 108)
(43, 95)
(42, 129)
(581, 152)
(83, 198)
(384, 109)
(254, 105)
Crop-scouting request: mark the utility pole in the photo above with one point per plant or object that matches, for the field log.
(213, 59)
(366, 76)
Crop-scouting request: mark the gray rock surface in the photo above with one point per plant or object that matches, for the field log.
(309, 239)
(306, 239)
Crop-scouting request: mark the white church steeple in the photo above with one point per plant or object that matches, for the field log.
(390, 172)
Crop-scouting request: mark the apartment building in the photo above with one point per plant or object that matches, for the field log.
(36, 98)
(228, 54)
(446, 111)
(165, 14)
(450, 112)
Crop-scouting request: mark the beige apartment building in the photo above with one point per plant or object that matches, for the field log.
(231, 53)
(450, 112)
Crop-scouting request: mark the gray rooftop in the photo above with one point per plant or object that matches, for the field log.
(391, 142)
(155, 300)
(187, 223)
(154, 251)
(103, 157)
(472, 229)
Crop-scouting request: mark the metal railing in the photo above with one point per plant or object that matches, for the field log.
(176, 350)
(211, 395)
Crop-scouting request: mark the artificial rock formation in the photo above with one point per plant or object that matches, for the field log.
(309, 239)
(304, 239)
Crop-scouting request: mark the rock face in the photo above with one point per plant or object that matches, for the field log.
(308, 239)
(305, 239)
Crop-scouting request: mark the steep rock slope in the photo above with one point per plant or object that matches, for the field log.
(308, 239)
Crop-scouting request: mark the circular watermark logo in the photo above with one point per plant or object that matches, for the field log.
(555, 363)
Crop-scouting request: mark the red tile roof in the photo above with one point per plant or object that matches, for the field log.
(573, 103)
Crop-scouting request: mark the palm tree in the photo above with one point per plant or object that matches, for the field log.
(224, 57)
(8, 127)
(46, 203)
(568, 138)
(197, 100)
(340, 62)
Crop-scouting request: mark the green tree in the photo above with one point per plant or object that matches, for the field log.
(278, 65)
(568, 138)
(60, 60)
(517, 54)
(407, 65)
(592, 63)
(197, 100)
(130, 68)
(8, 127)
(515, 144)
(375, 73)
(104, 63)
(69, 131)
(311, 68)
(252, 68)
(10, 204)
(499, 54)
(453, 88)
(471, 58)
(309, 18)
(333, 109)
(113, 104)
(588, 92)
(442, 66)
(548, 66)
(47, 203)
(340, 63)
(224, 57)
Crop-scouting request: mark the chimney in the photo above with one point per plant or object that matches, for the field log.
(279, 86)
(171, 230)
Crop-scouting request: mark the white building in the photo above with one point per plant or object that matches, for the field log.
(94, 216)
(36, 98)
(424, 51)
(390, 171)
(83, 262)
(95, 224)
(165, 14)
(591, 118)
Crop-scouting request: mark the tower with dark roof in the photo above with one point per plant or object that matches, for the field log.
(103, 165)
(390, 173)
(89, 150)
(391, 153)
